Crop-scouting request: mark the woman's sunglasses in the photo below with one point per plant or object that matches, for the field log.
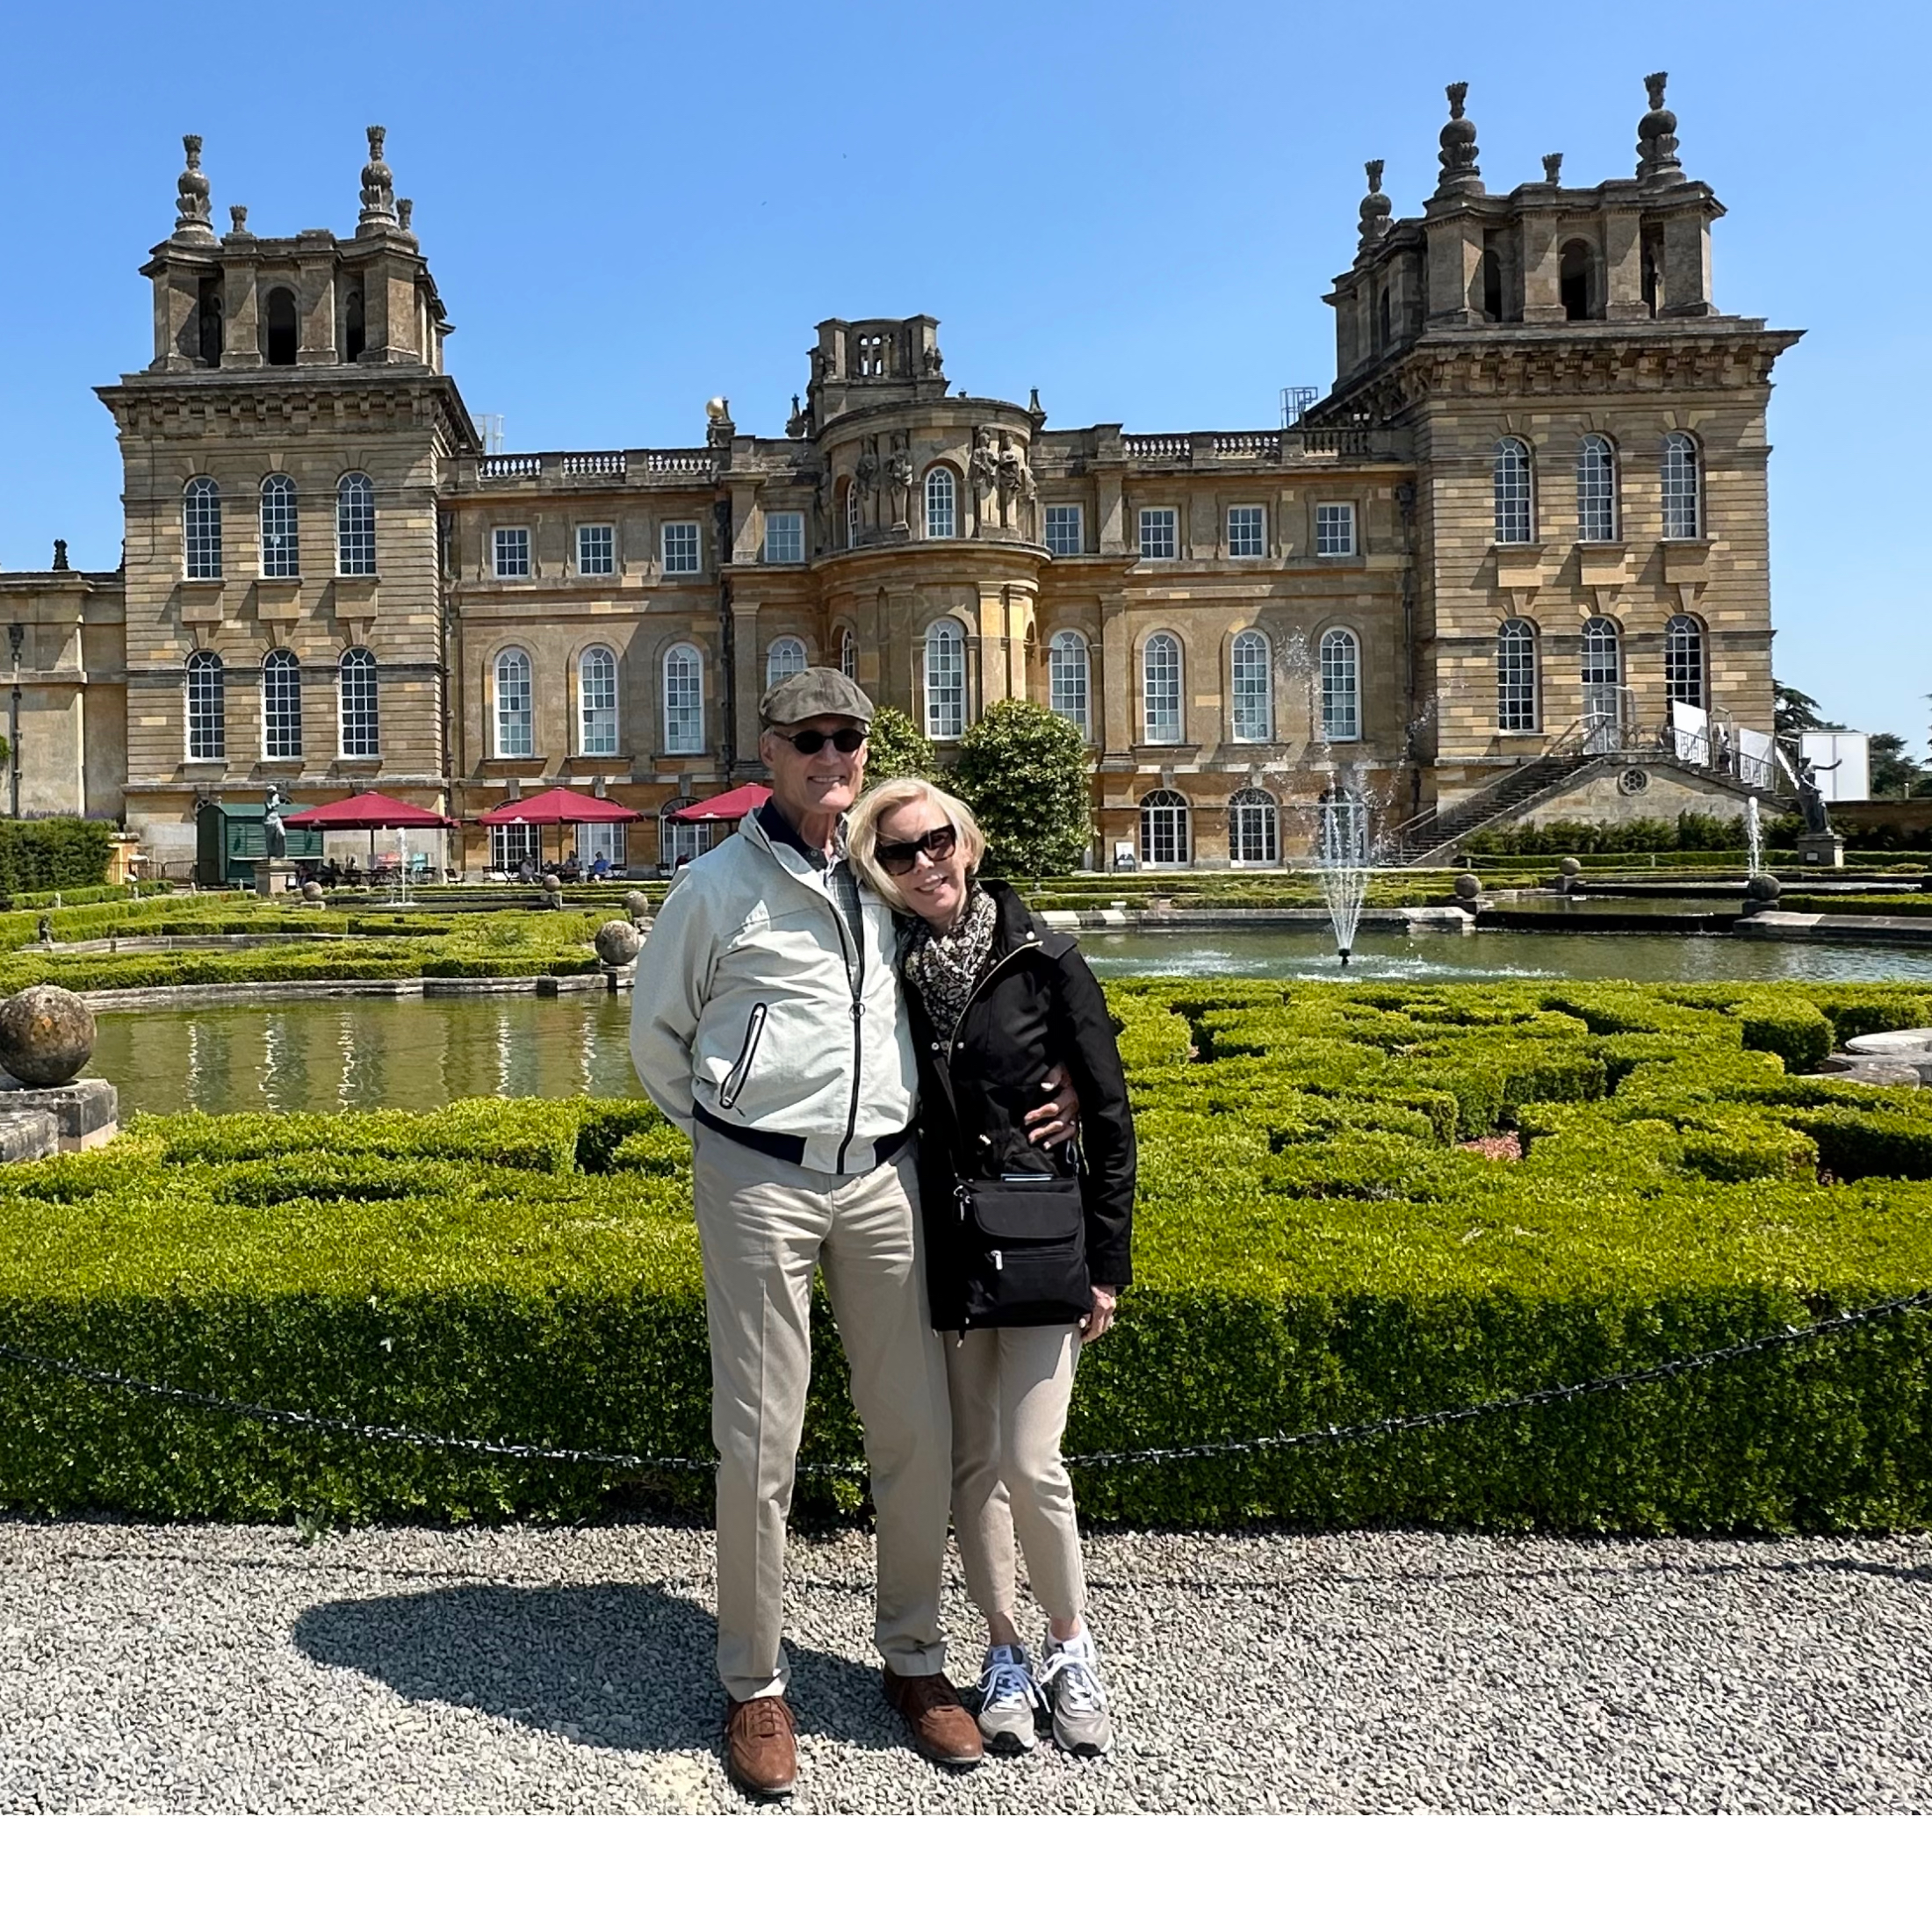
(903, 854)
(809, 744)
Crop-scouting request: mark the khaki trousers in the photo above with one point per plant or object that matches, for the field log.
(1009, 1390)
(764, 1225)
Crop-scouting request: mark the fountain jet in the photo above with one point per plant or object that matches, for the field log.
(1341, 862)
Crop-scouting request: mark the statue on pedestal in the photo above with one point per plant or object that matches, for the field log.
(274, 831)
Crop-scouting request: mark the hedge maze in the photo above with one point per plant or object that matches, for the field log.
(1317, 1245)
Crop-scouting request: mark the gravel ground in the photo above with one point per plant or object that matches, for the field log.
(230, 1669)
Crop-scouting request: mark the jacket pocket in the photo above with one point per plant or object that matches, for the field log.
(733, 1083)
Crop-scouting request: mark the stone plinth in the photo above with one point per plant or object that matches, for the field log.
(28, 1136)
(273, 876)
(85, 1113)
(1821, 849)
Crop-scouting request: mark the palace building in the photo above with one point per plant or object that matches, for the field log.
(1506, 565)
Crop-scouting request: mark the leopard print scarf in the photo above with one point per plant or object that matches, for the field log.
(946, 966)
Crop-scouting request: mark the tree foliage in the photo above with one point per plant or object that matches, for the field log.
(1793, 711)
(1023, 769)
(899, 749)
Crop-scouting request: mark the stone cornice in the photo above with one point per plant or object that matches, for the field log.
(254, 402)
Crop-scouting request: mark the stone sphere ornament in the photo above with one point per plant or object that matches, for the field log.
(618, 943)
(1571, 869)
(638, 907)
(551, 882)
(1762, 889)
(312, 892)
(46, 1035)
(1468, 886)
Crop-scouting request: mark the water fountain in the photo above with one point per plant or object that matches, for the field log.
(1342, 862)
(1754, 839)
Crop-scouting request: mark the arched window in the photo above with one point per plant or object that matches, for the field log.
(945, 679)
(278, 327)
(683, 699)
(1067, 679)
(1683, 491)
(1684, 661)
(1341, 687)
(201, 527)
(1515, 676)
(515, 726)
(281, 705)
(940, 499)
(785, 658)
(1160, 689)
(281, 551)
(1596, 491)
(355, 526)
(597, 701)
(355, 704)
(1254, 828)
(1166, 832)
(1602, 669)
(1573, 280)
(1253, 688)
(208, 722)
(848, 655)
(1514, 521)
(850, 513)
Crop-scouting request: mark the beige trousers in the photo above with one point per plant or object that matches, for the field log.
(764, 1225)
(1010, 1389)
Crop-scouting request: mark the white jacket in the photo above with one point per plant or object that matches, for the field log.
(743, 1006)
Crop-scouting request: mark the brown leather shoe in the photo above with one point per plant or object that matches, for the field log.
(760, 1748)
(943, 1729)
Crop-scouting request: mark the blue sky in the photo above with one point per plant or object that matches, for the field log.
(1135, 207)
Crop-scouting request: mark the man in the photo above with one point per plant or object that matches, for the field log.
(767, 1024)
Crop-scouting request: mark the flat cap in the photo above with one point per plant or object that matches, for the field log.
(820, 692)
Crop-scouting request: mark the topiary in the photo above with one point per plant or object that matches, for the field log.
(1023, 769)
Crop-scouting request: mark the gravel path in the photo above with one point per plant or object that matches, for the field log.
(215, 1668)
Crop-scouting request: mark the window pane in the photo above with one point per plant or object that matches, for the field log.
(848, 656)
(1599, 651)
(1595, 492)
(683, 699)
(1334, 529)
(1254, 836)
(598, 841)
(1164, 830)
(361, 738)
(785, 658)
(785, 536)
(281, 555)
(281, 705)
(1158, 534)
(1684, 661)
(515, 734)
(1253, 692)
(1063, 536)
(355, 527)
(1516, 677)
(513, 553)
(940, 500)
(681, 549)
(1067, 679)
(511, 844)
(1681, 507)
(1160, 676)
(201, 528)
(596, 550)
(1512, 492)
(1247, 532)
(1341, 710)
(945, 681)
(207, 736)
(597, 701)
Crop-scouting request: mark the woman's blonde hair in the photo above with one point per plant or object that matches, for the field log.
(862, 831)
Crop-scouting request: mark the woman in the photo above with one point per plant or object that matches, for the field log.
(1026, 1249)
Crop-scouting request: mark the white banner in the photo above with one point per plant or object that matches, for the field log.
(1754, 759)
(1841, 763)
(1690, 733)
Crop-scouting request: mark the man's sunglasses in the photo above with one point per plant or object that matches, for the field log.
(902, 855)
(809, 744)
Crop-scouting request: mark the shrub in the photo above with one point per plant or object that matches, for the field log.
(51, 854)
(898, 749)
(1024, 771)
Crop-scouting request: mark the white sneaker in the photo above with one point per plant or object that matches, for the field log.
(1072, 1683)
(1007, 1694)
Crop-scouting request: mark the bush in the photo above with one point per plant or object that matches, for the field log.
(1023, 772)
(51, 854)
(897, 749)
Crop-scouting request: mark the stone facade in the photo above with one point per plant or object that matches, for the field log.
(1235, 617)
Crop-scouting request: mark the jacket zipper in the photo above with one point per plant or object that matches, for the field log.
(734, 1081)
(855, 983)
(987, 979)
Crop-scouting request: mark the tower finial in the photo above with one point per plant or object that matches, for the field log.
(1553, 170)
(192, 222)
(405, 210)
(1375, 209)
(1459, 145)
(378, 198)
(1657, 137)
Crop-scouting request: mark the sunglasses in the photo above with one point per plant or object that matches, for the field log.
(809, 743)
(902, 855)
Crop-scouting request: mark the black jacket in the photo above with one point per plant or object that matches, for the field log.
(1035, 1004)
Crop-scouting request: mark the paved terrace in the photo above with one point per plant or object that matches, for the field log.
(232, 1670)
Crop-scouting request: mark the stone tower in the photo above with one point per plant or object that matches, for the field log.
(1589, 536)
(283, 452)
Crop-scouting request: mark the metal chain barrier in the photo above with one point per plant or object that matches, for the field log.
(1332, 1436)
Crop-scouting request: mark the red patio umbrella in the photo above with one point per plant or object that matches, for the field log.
(560, 805)
(740, 803)
(371, 812)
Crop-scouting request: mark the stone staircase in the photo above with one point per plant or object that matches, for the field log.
(1435, 833)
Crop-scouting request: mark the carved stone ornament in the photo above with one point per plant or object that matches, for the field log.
(238, 214)
(1459, 143)
(1376, 207)
(379, 198)
(1657, 136)
(191, 200)
(46, 1033)
(1553, 170)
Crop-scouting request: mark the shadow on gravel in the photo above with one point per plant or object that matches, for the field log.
(626, 1667)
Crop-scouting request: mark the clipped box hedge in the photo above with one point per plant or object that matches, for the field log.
(1313, 1249)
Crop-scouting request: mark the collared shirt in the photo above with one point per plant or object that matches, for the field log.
(840, 880)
